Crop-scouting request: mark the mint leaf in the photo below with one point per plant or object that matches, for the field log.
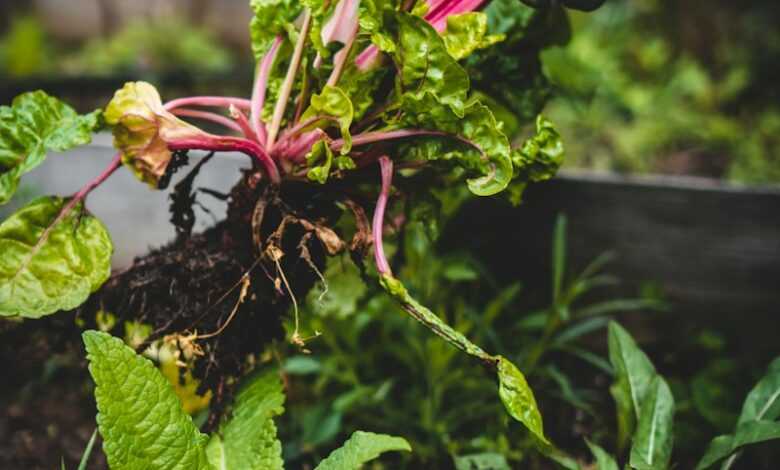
(33, 124)
(360, 448)
(248, 439)
(139, 416)
(46, 267)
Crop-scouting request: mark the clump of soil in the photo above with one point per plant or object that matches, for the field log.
(229, 286)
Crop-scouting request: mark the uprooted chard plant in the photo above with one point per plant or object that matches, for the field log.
(355, 104)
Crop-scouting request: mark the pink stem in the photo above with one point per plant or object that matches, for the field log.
(386, 168)
(259, 90)
(215, 101)
(437, 17)
(377, 136)
(243, 123)
(207, 116)
(231, 144)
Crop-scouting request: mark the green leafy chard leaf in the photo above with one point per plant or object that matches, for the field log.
(540, 157)
(652, 446)
(360, 448)
(333, 103)
(139, 416)
(319, 160)
(466, 33)
(271, 18)
(519, 399)
(516, 395)
(480, 147)
(248, 439)
(46, 267)
(633, 374)
(426, 68)
(32, 125)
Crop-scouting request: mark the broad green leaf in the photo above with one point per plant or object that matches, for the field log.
(763, 401)
(272, 18)
(360, 448)
(248, 439)
(426, 67)
(748, 432)
(466, 33)
(34, 124)
(139, 416)
(46, 266)
(434, 96)
(652, 445)
(482, 149)
(604, 461)
(633, 374)
(484, 461)
(518, 398)
(332, 102)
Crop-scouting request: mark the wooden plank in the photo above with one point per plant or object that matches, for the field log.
(713, 248)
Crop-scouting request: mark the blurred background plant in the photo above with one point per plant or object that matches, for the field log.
(644, 86)
(670, 87)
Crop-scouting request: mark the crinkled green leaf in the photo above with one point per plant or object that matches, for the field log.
(248, 439)
(360, 448)
(748, 432)
(540, 157)
(32, 125)
(652, 443)
(466, 33)
(319, 160)
(139, 416)
(426, 68)
(44, 267)
(484, 461)
(360, 87)
(518, 398)
(272, 18)
(332, 102)
(482, 148)
(372, 22)
(604, 461)
(633, 374)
